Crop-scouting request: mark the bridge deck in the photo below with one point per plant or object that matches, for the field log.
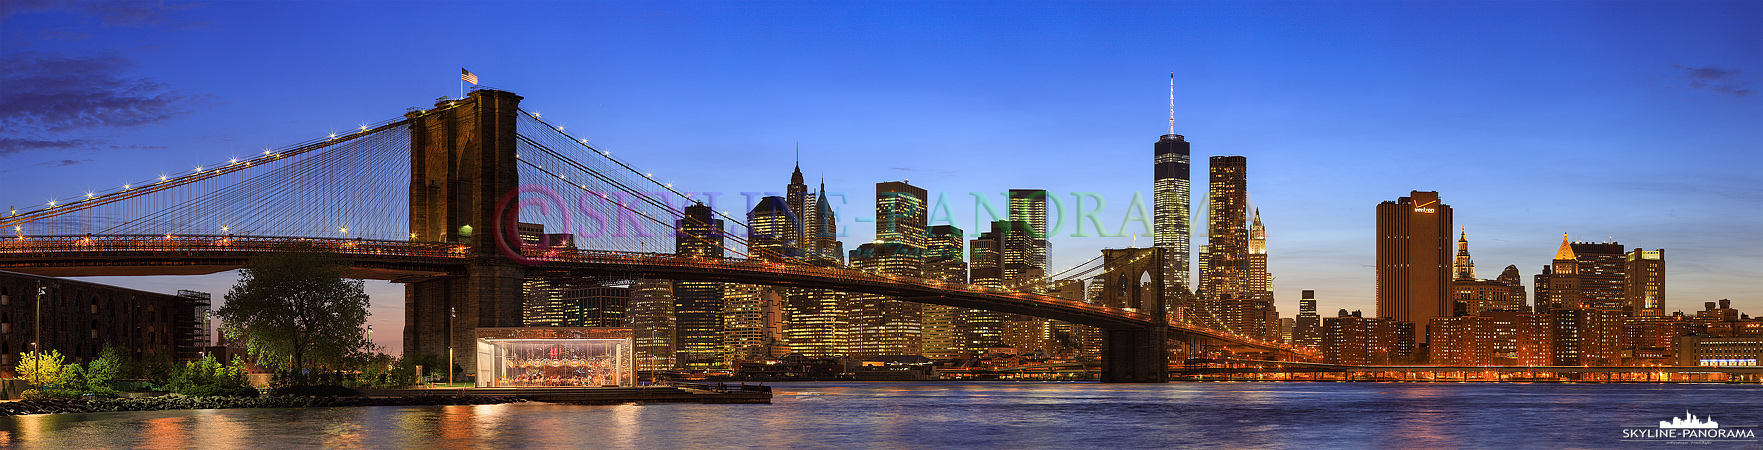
(404, 260)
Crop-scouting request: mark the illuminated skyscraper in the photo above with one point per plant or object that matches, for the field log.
(796, 196)
(1230, 301)
(769, 226)
(1463, 268)
(1260, 286)
(1602, 271)
(1202, 268)
(545, 302)
(814, 319)
(1558, 286)
(753, 323)
(752, 316)
(1307, 330)
(697, 308)
(882, 325)
(820, 239)
(1171, 213)
(946, 331)
(1003, 256)
(1227, 237)
(1414, 260)
(583, 305)
(652, 321)
(900, 214)
(1260, 282)
(1030, 206)
(816, 325)
(1646, 282)
(1471, 296)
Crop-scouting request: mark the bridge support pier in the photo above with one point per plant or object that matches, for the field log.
(1136, 356)
(443, 315)
(462, 162)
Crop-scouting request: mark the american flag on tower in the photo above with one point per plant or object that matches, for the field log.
(467, 76)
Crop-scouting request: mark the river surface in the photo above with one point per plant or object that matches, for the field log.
(1007, 415)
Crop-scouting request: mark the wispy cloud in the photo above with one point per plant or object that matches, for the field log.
(63, 162)
(110, 13)
(50, 95)
(58, 93)
(132, 13)
(10, 145)
(138, 147)
(1723, 81)
(64, 34)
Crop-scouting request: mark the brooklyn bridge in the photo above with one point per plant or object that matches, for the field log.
(435, 200)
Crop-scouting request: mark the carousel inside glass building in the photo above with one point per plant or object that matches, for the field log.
(555, 357)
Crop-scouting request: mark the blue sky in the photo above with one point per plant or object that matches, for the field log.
(1633, 121)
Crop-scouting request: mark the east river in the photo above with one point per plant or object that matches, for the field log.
(1003, 415)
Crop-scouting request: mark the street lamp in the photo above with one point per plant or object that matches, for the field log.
(37, 365)
(453, 316)
(37, 333)
(37, 327)
(208, 328)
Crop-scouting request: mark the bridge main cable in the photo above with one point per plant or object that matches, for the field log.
(130, 191)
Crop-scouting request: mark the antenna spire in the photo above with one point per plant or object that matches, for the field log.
(1172, 103)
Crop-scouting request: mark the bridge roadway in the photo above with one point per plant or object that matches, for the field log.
(143, 255)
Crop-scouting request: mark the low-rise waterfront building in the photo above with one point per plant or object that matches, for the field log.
(80, 318)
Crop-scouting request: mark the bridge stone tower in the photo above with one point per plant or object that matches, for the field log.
(1135, 280)
(462, 162)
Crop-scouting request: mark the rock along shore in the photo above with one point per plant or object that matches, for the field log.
(71, 406)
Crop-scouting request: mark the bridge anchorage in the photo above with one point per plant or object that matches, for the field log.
(456, 201)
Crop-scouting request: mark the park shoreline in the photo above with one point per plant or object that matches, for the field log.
(177, 402)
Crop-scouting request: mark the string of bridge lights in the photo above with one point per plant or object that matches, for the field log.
(608, 155)
(201, 172)
(735, 238)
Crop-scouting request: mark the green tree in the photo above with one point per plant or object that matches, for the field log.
(154, 367)
(73, 377)
(294, 310)
(402, 373)
(109, 366)
(42, 369)
(208, 377)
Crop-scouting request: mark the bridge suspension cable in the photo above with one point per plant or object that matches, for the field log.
(203, 199)
(626, 190)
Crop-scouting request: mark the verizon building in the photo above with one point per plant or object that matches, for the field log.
(1414, 259)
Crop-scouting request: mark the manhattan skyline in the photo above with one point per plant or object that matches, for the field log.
(1633, 122)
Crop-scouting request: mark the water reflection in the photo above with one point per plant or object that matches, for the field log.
(214, 428)
(627, 425)
(941, 415)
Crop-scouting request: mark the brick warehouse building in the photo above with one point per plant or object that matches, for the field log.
(80, 318)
